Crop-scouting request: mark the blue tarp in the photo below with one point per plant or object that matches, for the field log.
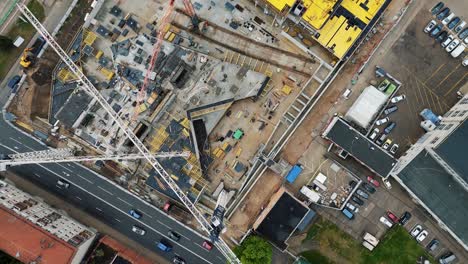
(294, 173)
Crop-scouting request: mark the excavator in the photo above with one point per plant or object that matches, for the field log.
(30, 54)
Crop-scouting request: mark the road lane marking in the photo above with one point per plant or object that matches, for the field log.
(455, 85)
(448, 75)
(201, 247)
(117, 220)
(105, 190)
(99, 209)
(37, 175)
(21, 143)
(163, 224)
(77, 197)
(124, 201)
(65, 168)
(84, 179)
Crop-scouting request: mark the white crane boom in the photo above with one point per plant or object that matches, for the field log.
(91, 90)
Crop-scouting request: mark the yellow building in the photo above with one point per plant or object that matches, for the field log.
(281, 5)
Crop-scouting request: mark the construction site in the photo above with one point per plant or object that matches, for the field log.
(217, 87)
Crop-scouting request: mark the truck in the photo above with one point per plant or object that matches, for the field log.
(30, 54)
(176, 212)
(370, 241)
(427, 114)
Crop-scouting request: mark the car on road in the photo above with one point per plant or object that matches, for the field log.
(460, 27)
(136, 214)
(392, 217)
(382, 121)
(389, 127)
(453, 22)
(452, 45)
(433, 245)
(391, 109)
(362, 194)
(178, 260)
(381, 139)
(13, 81)
(416, 230)
(374, 134)
(352, 184)
(352, 207)
(437, 8)
(385, 221)
(63, 183)
(173, 235)
(394, 148)
(448, 18)
(387, 183)
(442, 36)
(430, 26)
(436, 31)
(398, 98)
(404, 218)
(164, 245)
(207, 245)
(372, 180)
(447, 41)
(420, 238)
(447, 258)
(387, 144)
(357, 200)
(368, 187)
(138, 230)
(443, 14)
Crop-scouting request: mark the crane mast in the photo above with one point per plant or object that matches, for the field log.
(92, 91)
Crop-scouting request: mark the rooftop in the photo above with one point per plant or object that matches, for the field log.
(439, 191)
(281, 4)
(359, 146)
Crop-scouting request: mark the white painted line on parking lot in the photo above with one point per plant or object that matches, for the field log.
(105, 190)
(124, 201)
(66, 174)
(65, 167)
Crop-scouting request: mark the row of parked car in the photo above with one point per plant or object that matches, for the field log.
(450, 33)
(360, 195)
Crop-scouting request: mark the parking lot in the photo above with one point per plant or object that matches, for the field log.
(430, 77)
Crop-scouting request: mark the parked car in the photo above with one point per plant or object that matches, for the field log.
(207, 245)
(374, 134)
(387, 144)
(405, 218)
(420, 238)
(465, 61)
(447, 41)
(453, 22)
(385, 221)
(392, 217)
(381, 139)
(443, 14)
(389, 127)
(458, 50)
(382, 121)
(391, 109)
(430, 26)
(447, 258)
(394, 148)
(463, 34)
(437, 8)
(442, 36)
(416, 230)
(436, 31)
(387, 183)
(368, 187)
(373, 181)
(178, 260)
(135, 214)
(13, 81)
(452, 45)
(352, 207)
(362, 194)
(348, 213)
(448, 18)
(357, 200)
(459, 27)
(140, 231)
(433, 245)
(173, 235)
(352, 184)
(398, 98)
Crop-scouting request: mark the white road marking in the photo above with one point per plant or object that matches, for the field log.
(117, 220)
(84, 179)
(77, 197)
(105, 190)
(15, 147)
(66, 174)
(21, 143)
(163, 224)
(124, 201)
(37, 175)
(99, 209)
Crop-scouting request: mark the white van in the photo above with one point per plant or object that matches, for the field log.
(458, 50)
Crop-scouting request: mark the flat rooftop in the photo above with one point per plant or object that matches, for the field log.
(453, 150)
(27, 243)
(439, 191)
(359, 146)
(318, 11)
(280, 5)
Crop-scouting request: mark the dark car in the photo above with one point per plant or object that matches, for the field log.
(362, 194)
(463, 34)
(405, 218)
(436, 31)
(357, 200)
(352, 184)
(389, 128)
(368, 187)
(433, 245)
(391, 109)
(447, 258)
(444, 13)
(173, 235)
(13, 81)
(442, 36)
(453, 22)
(437, 8)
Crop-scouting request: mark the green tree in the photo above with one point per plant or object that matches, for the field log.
(254, 250)
(6, 43)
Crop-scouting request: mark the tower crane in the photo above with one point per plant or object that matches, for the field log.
(66, 155)
(93, 92)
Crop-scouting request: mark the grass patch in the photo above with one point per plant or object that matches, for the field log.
(336, 246)
(26, 31)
